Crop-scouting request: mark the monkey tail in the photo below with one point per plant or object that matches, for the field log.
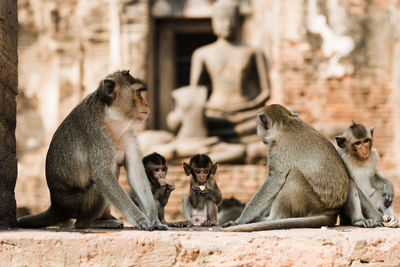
(44, 219)
(301, 222)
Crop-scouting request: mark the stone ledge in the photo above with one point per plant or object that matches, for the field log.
(338, 246)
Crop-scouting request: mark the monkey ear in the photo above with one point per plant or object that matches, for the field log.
(107, 90)
(186, 167)
(340, 141)
(214, 168)
(371, 130)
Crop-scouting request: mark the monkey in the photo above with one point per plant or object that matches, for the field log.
(355, 148)
(85, 156)
(307, 181)
(200, 207)
(156, 169)
(229, 210)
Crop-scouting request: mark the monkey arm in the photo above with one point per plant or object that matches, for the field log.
(113, 192)
(162, 195)
(138, 180)
(262, 200)
(380, 182)
(187, 208)
(214, 193)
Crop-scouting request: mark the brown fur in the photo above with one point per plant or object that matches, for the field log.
(307, 181)
(205, 201)
(82, 163)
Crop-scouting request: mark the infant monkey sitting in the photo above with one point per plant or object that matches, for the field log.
(156, 170)
(200, 207)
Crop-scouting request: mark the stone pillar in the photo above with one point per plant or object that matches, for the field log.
(8, 91)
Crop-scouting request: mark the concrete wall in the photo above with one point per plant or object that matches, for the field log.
(8, 91)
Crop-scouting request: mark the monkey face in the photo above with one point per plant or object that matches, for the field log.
(202, 174)
(362, 148)
(140, 107)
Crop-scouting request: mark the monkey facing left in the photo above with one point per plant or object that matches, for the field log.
(85, 155)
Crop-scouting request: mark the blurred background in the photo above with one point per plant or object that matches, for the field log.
(332, 61)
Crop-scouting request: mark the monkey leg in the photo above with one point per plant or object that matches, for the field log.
(261, 202)
(95, 212)
(296, 205)
(352, 213)
(187, 208)
(212, 213)
(369, 211)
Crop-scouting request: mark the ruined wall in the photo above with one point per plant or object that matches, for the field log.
(332, 61)
(65, 48)
(8, 90)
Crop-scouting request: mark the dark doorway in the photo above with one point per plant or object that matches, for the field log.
(174, 41)
(185, 45)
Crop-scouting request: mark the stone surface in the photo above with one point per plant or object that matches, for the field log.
(338, 246)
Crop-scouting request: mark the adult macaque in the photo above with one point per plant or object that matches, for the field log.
(307, 182)
(200, 207)
(84, 157)
(229, 210)
(156, 169)
(355, 148)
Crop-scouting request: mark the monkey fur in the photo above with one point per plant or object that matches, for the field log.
(307, 182)
(200, 207)
(355, 148)
(156, 170)
(229, 210)
(84, 157)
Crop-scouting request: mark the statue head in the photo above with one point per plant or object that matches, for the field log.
(225, 18)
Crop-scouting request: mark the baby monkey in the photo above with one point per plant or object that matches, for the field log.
(200, 207)
(156, 170)
(355, 148)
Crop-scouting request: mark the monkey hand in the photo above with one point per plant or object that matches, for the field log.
(145, 225)
(200, 190)
(208, 223)
(387, 195)
(229, 223)
(170, 186)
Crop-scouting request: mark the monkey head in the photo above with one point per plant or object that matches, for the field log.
(156, 168)
(200, 167)
(356, 141)
(272, 119)
(123, 96)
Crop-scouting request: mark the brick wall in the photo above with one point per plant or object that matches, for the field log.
(8, 91)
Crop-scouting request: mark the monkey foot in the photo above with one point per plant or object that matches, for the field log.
(181, 224)
(208, 223)
(145, 225)
(368, 223)
(391, 221)
(159, 226)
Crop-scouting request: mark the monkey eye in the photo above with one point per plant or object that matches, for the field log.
(263, 120)
(366, 141)
(205, 172)
(197, 171)
(357, 143)
(164, 169)
(156, 169)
